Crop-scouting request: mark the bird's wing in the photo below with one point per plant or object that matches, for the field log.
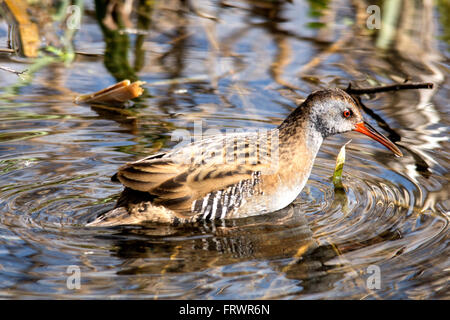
(176, 186)
(176, 180)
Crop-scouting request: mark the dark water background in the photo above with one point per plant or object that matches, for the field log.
(229, 64)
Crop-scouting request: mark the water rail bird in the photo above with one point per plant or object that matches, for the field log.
(236, 175)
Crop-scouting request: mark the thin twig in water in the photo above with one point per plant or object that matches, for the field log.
(393, 87)
(18, 73)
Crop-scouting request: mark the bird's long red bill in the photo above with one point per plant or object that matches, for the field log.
(368, 130)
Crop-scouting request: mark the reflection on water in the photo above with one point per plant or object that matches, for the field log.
(231, 64)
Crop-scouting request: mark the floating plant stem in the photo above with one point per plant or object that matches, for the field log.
(337, 175)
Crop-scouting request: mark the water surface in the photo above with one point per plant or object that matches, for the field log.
(225, 65)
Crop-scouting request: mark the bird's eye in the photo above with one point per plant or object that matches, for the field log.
(347, 113)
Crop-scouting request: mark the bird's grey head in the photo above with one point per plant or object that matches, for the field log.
(328, 112)
(335, 111)
(332, 111)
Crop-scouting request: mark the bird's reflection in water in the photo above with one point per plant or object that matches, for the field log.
(284, 238)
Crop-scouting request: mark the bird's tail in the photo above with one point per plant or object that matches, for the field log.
(137, 214)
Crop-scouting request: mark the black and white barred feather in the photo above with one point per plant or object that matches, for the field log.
(224, 203)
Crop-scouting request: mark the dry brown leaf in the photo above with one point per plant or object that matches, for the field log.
(118, 93)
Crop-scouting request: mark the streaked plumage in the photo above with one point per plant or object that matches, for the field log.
(234, 175)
